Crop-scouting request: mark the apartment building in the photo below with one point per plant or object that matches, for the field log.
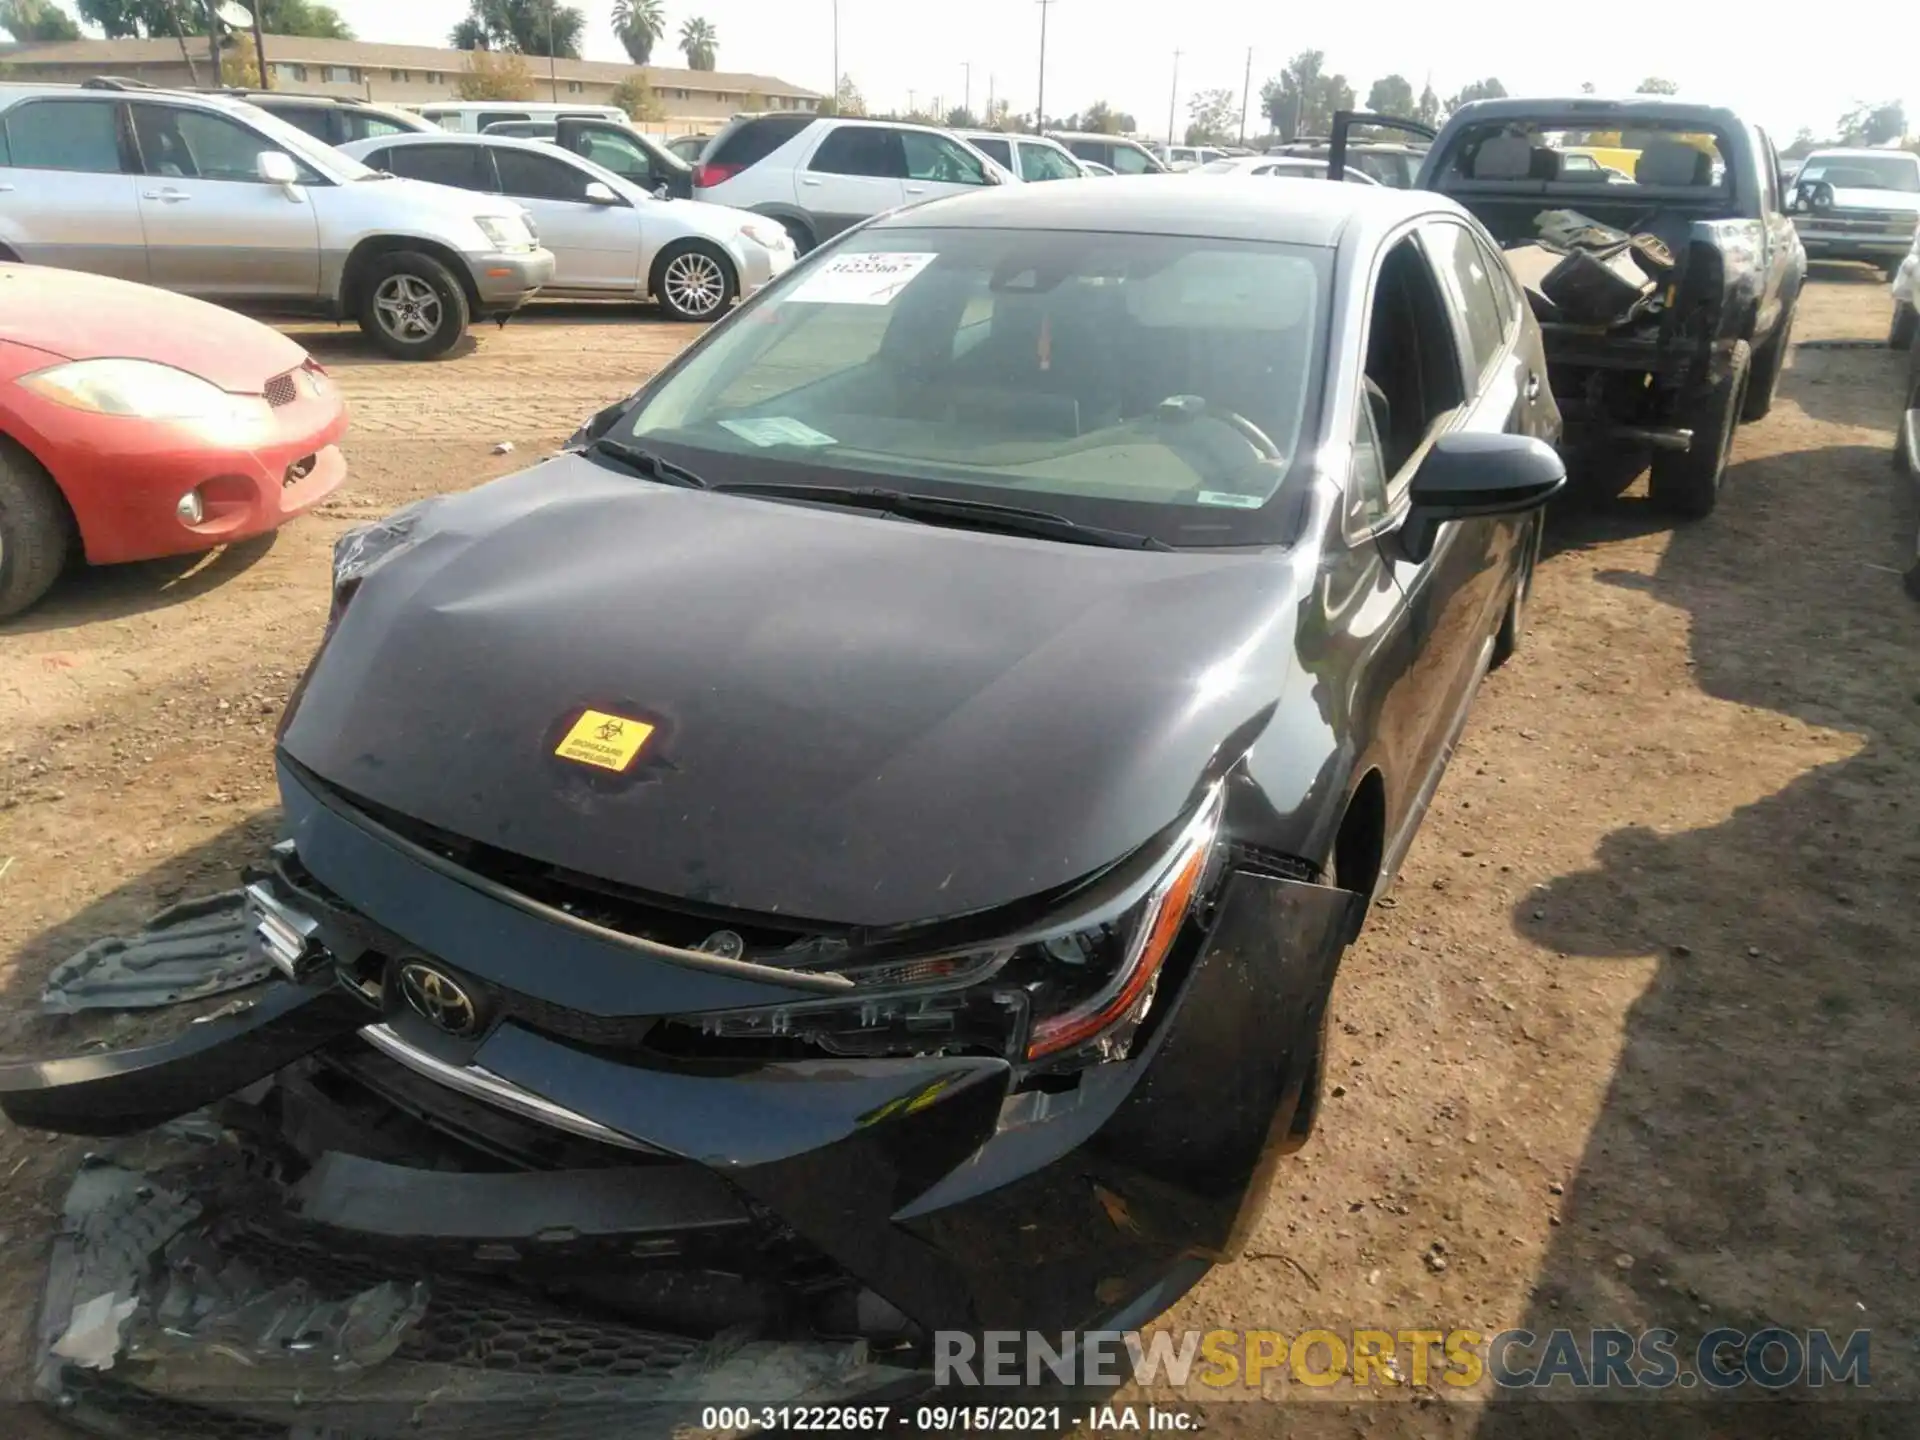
(404, 74)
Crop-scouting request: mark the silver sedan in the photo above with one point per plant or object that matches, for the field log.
(609, 237)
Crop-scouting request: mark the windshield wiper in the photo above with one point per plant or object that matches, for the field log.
(646, 463)
(982, 514)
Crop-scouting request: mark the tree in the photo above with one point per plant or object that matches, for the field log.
(699, 43)
(999, 115)
(1488, 89)
(1100, 119)
(240, 64)
(961, 118)
(846, 100)
(533, 27)
(1215, 115)
(1392, 95)
(1586, 87)
(495, 77)
(635, 96)
(639, 24)
(1874, 124)
(37, 20)
(1301, 100)
(1427, 109)
(305, 18)
(1654, 85)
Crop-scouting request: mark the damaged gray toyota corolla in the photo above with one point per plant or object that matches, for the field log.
(724, 941)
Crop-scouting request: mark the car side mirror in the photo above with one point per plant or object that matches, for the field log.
(1469, 476)
(598, 192)
(663, 191)
(276, 167)
(1811, 195)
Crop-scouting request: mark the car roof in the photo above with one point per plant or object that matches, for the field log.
(1096, 135)
(1861, 152)
(1634, 108)
(454, 137)
(1202, 206)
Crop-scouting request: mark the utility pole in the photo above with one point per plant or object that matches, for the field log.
(987, 120)
(260, 49)
(834, 89)
(1246, 94)
(910, 95)
(1173, 100)
(967, 103)
(1040, 108)
(553, 76)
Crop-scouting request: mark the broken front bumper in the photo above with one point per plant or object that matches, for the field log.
(547, 1160)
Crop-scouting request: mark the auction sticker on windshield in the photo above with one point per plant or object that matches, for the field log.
(875, 279)
(609, 742)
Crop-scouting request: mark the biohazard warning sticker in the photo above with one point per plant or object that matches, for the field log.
(608, 742)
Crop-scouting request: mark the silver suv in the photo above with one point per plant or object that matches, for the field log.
(213, 197)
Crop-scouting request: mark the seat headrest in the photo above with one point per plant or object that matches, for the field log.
(1673, 162)
(1504, 157)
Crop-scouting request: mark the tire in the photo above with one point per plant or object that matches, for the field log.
(1513, 625)
(1768, 362)
(800, 233)
(35, 531)
(1687, 482)
(1906, 322)
(411, 306)
(694, 281)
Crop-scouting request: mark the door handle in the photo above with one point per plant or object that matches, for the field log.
(810, 182)
(165, 197)
(6, 189)
(916, 189)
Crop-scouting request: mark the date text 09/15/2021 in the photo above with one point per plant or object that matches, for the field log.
(945, 1419)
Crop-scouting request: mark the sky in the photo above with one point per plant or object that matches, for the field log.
(1122, 51)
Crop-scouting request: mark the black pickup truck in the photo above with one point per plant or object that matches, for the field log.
(1672, 324)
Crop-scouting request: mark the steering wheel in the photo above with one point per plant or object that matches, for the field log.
(1195, 407)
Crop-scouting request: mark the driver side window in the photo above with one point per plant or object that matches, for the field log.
(936, 158)
(1412, 361)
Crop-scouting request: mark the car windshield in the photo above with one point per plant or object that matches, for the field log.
(295, 141)
(1150, 383)
(1866, 172)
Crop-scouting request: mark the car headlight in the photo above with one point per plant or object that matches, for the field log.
(774, 237)
(1059, 998)
(143, 389)
(365, 548)
(507, 232)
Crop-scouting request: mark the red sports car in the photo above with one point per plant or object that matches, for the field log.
(135, 423)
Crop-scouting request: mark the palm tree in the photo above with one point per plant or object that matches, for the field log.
(699, 44)
(533, 27)
(639, 24)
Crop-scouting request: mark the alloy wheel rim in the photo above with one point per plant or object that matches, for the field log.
(694, 283)
(407, 307)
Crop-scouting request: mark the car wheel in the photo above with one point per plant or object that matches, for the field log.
(1899, 425)
(1906, 321)
(1687, 482)
(35, 534)
(1513, 626)
(1767, 365)
(412, 307)
(695, 282)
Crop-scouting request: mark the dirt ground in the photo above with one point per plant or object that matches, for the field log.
(1632, 1043)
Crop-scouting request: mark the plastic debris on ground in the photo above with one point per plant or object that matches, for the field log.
(188, 952)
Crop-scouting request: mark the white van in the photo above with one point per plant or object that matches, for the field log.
(472, 117)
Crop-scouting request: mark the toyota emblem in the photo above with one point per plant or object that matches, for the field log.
(439, 999)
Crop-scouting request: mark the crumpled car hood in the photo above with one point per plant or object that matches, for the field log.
(858, 720)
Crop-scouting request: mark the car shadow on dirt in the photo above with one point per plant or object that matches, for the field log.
(1757, 1159)
(90, 593)
(1849, 385)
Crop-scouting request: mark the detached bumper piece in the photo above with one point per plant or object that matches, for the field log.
(343, 1205)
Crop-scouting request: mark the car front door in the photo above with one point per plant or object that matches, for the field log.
(67, 196)
(1415, 388)
(855, 172)
(214, 228)
(1505, 393)
(939, 166)
(595, 243)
